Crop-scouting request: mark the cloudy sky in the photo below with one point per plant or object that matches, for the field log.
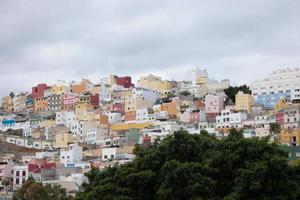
(48, 40)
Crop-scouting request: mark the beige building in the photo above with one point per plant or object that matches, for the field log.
(154, 83)
(244, 101)
(62, 140)
(7, 104)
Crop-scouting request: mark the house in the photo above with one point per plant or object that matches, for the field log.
(244, 102)
(281, 84)
(62, 140)
(20, 175)
(70, 155)
(230, 119)
(214, 103)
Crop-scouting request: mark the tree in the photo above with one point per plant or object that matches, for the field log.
(199, 166)
(185, 93)
(32, 190)
(232, 91)
(275, 128)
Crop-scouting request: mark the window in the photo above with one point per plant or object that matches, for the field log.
(105, 156)
(17, 173)
(24, 173)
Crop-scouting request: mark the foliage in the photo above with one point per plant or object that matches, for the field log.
(32, 190)
(275, 128)
(199, 166)
(232, 91)
(185, 93)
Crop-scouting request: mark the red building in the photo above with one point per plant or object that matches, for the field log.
(119, 107)
(124, 81)
(39, 90)
(95, 100)
(279, 118)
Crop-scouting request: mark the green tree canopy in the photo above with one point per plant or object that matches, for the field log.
(199, 166)
(32, 190)
(232, 91)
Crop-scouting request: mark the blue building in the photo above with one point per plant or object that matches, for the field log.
(270, 100)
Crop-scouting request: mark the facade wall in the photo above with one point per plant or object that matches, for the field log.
(38, 91)
(244, 101)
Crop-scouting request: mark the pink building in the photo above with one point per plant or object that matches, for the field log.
(194, 117)
(119, 107)
(69, 101)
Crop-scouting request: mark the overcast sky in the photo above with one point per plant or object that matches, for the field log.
(47, 40)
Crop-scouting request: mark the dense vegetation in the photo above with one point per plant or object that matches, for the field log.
(232, 91)
(32, 190)
(200, 166)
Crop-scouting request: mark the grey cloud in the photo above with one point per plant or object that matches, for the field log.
(73, 39)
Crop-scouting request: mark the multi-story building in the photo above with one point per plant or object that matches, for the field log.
(83, 87)
(41, 104)
(60, 89)
(55, 102)
(214, 103)
(7, 104)
(39, 90)
(124, 81)
(62, 140)
(69, 101)
(154, 83)
(89, 98)
(244, 101)
(207, 85)
(230, 119)
(70, 155)
(97, 135)
(20, 175)
(281, 84)
(19, 102)
(292, 117)
(6, 167)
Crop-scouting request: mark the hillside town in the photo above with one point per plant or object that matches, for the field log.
(57, 133)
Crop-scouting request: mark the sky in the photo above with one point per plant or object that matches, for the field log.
(50, 40)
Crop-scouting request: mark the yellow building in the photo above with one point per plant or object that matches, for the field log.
(281, 104)
(244, 101)
(59, 89)
(47, 123)
(83, 110)
(290, 138)
(62, 140)
(128, 126)
(154, 83)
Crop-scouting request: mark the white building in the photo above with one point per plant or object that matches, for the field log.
(20, 175)
(68, 119)
(71, 154)
(147, 94)
(113, 117)
(97, 135)
(281, 84)
(230, 119)
(116, 153)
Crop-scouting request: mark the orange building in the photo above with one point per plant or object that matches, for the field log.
(41, 104)
(82, 87)
(290, 138)
(130, 115)
(171, 108)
